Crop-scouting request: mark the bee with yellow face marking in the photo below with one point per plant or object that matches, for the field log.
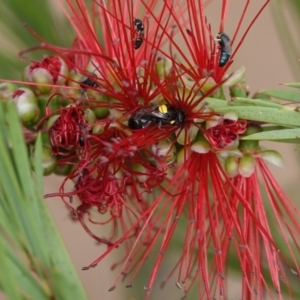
(140, 32)
(160, 115)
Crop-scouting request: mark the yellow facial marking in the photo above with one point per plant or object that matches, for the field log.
(163, 109)
(172, 122)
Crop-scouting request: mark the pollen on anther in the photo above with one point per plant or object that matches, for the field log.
(128, 286)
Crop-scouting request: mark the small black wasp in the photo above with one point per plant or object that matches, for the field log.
(225, 45)
(160, 115)
(140, 32)
(87, 81)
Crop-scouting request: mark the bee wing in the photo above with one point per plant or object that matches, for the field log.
(149, 111)
(227, 48)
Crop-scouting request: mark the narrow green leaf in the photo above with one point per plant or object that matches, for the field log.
(284, 134)
(38, 170)
(27, 222)
(7, 278)
(293, 96)
(293, 84)
(253, 102)
(25, 282)
(261, 114)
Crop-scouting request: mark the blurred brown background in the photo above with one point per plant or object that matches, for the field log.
(263, 56)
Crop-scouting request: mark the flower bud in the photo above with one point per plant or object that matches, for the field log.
(231, 166)
(247, 165)
(235, 77)
(273, 157)
(100, 112)
(89, 116)
(202, 146)
(50, 70)
(186, 137)
(250, 144)
(27, 106)
(164, 149)
(240, 89)
(98, 129)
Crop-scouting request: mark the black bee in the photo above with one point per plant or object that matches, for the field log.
(140, 32)
(160, 115)
(87, 81)
(225, 45)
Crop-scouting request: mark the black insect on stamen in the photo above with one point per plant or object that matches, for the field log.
(139, 29)
(225, 46)
(160, 115)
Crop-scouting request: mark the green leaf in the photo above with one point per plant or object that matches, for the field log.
(284, 134)
(293, 84)
(293, 96)
(284, 116)
(238, 101)
(7, 278)
(26, 226)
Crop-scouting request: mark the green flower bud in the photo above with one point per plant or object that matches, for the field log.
(27, 106)
(231, 166)
(250, 145)
(186, 137)
(50, 70)
(247, 165)
(164, 149)
(201, 146)
(235, 77)
(273, 157)
(97, 129)
(100, 112)
(240, 89)
(89, 116)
